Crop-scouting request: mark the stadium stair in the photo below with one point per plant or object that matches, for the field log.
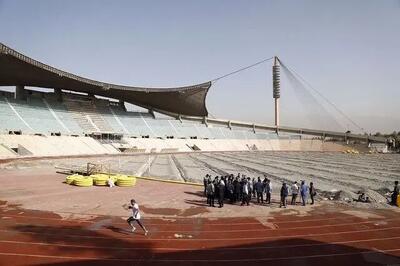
(87, 116)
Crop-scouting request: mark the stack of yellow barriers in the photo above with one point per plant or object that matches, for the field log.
(79, 180)
(351, 151)
(125, 181)
(100, 180)
(70, 179)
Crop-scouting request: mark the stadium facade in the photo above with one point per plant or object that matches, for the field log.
(71, 120)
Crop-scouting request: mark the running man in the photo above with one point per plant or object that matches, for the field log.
(135, 217)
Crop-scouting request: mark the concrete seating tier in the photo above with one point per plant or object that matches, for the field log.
(43, 114)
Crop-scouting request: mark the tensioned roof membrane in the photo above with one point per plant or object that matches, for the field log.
(17, 69)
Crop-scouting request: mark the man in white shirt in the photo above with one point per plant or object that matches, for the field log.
(135, 217)
(110, 182)
(221, 191)
(246, 192)
(295, 192)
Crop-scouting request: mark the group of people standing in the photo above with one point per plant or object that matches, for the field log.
(242, 189)
(303, 190)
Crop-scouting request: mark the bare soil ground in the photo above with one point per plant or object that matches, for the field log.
(336, 176)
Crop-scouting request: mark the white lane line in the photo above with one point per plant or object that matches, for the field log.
(204, 239)
(203, 248)
(167, 218)
(201, 260)
(251, 230)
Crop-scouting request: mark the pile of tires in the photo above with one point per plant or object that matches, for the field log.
(125, 181)
(83, 181)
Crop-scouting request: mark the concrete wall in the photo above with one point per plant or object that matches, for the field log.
(6, 152)
(35, 146)
(53, 145)
(183, 145)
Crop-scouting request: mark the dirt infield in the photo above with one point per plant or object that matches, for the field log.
(46, 222)
(335, 175)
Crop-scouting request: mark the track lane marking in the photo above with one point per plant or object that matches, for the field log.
(206, 239)
(202, 248)
(187, 218)
(250, 230)
(202, 260)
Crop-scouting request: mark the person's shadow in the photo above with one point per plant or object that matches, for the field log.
(197, 193)
(118, 230)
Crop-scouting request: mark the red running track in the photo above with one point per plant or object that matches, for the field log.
(324, 237)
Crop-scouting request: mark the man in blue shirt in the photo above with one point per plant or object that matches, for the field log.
(304, 193)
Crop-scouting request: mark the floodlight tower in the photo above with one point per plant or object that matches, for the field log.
(276, 86)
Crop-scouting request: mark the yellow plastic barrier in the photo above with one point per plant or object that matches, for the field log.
(102, 179)
(351, 151)
(83, 181)
(121, 176)
(99, 176)
(100, 182)
(70, 179)
(125, 181)
(398, 200)
(119, 179)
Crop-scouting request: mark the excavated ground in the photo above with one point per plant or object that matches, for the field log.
(336, 176)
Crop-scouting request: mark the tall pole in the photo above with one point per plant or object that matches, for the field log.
(276, 84)
(276, 112)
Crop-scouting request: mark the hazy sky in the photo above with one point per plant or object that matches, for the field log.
(348, 50)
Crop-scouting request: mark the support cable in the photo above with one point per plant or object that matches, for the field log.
(241, 69)
(323, 97)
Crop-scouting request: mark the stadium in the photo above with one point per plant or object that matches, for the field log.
(74, 151)
(54, 118)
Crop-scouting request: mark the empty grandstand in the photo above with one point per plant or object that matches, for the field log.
(72, 120)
